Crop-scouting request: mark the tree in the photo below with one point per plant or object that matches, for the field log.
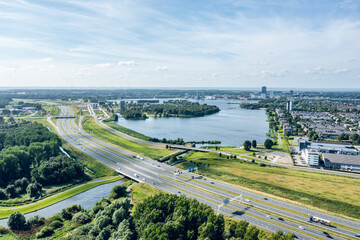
(34, 189)
(17, 221)
(268, 143)
(118, 191)
(354, 137)
(247, 145)
(254, 143)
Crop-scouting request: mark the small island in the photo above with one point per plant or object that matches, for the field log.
(171, 108)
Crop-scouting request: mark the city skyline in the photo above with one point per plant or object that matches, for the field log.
(227, 44)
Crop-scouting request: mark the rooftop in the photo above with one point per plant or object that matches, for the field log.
(342, 159)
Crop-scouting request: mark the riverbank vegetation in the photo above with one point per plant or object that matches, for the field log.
(294, 185)
(171, 108)
(156, 216)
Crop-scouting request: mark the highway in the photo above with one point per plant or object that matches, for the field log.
(264, 212)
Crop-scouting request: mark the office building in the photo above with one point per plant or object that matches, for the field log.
(289, 106)
(263, 89)
(310, 156)
(122, 105)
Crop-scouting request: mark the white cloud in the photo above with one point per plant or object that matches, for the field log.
(103, 65)
(161, 68)
(127, 63)
(343, 70)
(46, 60)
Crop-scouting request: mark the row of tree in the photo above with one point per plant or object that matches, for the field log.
(162, 216)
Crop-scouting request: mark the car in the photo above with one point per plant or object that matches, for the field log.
(265, 198)
(204, 178)
(179, 192)
(212, 182)
(281, 219)
(301, 227)
(268, 216)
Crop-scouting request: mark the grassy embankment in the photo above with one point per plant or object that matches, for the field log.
(154, 152)
(127, 131)
(5, 212)
(338, 194)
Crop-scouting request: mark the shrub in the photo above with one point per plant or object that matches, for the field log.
(3, 195)
(81, 217)
(34, 189)
(36, 220)
(104, 234)
(11, 191)
(65, 214)
(118, 192)
(102, 222)
(45, 232)
(56, 224)
(17, 221)
(3, 230)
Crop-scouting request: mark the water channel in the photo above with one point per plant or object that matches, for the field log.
(86, 199)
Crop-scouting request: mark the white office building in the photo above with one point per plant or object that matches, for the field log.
(310, 156)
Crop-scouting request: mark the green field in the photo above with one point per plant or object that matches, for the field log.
(154, 152)
(333, 193)
(5, 212)
(127, 131)
(237, 150)
(140, 191)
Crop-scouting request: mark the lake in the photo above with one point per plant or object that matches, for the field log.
(232, 125)
(86, 199)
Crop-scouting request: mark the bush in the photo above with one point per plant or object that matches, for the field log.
(36, 220)
(45, 232)
(34, 189)
(81, 217)
(3, 195)
(104, 234)
(56, 224)
(17, 221)
(3, 230)
(11, 191)
(102, 222)
(65, 214)
(118, 192)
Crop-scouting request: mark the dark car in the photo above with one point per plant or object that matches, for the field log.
(280, 218)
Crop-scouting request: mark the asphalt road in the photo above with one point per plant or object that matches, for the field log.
(264, 212)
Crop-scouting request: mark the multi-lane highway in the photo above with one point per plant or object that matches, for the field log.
(267, 213)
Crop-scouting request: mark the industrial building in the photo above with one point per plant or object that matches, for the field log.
(343, 162)
(334, 148)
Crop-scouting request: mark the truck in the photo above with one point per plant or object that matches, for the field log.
(320, 220)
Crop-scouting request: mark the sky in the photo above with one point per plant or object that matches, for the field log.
(180, 43)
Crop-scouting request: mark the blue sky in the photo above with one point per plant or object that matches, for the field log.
(228, 43)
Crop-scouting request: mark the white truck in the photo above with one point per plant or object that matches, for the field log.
(320, 220)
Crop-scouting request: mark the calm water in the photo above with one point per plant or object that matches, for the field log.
(232, 125)
(86, 200)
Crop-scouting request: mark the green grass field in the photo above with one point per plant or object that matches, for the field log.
(127, 131)
(140, 191)
(333, 193)
(103, 134)
(5, 212)
(237, 150)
